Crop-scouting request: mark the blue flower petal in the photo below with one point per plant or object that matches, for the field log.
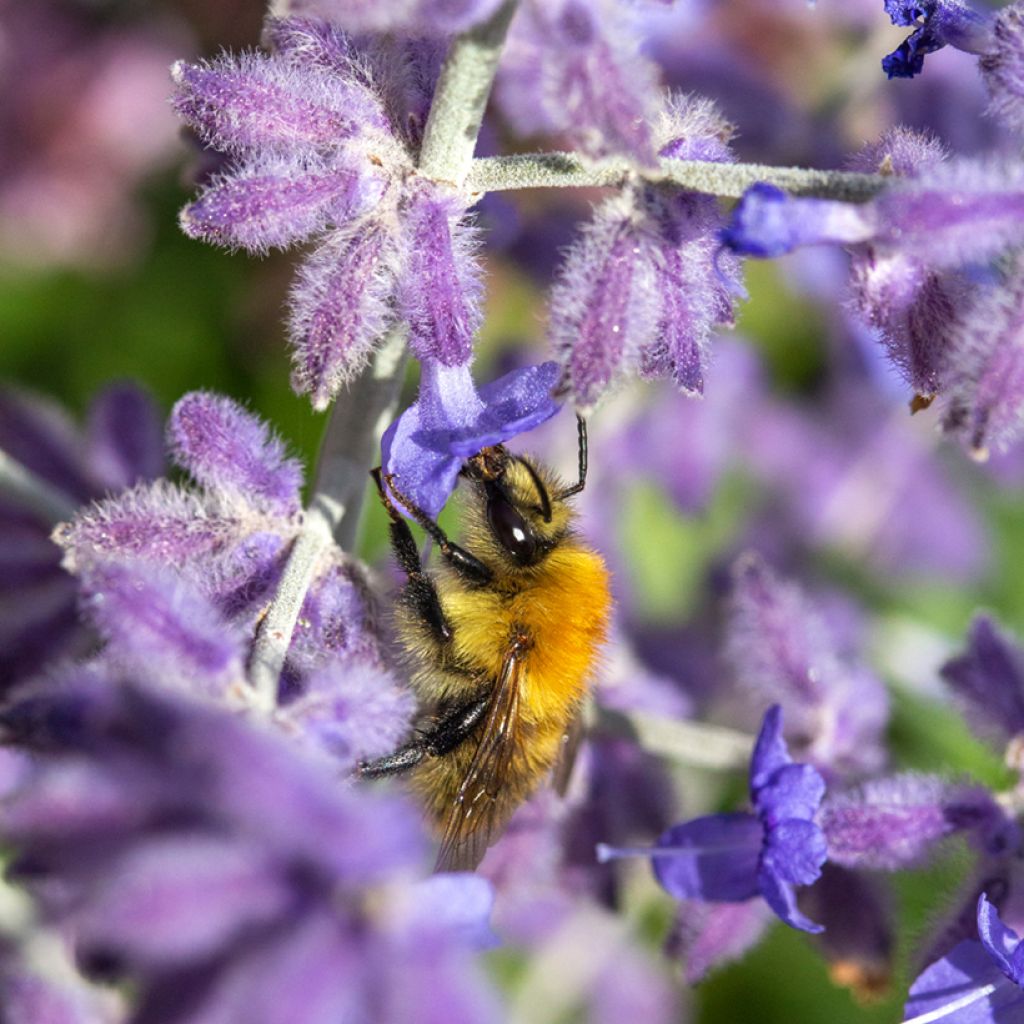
(1001, 943)
(770, 753)
(779, 895)
(793, 791)
(712, 858)
(964, 977)
(795, 851)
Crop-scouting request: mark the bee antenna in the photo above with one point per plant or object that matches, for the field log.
(545, 501)
(581, 425)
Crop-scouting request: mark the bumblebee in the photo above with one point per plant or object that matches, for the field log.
(502, 638)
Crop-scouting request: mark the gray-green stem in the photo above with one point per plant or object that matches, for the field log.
(695, 744)
(351, 441)
(460, 99)
(33, 491)
(569, 170)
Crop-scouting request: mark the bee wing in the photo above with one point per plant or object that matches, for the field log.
(481, 808)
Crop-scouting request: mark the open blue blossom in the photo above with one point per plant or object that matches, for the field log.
(938, 23)
(977, 982)
(733, 857)
(452, 420)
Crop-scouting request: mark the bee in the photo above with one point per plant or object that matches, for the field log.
(503, 637)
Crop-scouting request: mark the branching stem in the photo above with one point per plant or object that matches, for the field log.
(569, 170)
(460, 98)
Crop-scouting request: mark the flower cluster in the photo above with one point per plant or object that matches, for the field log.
(187, 819)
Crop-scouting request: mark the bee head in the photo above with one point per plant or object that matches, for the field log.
(524, 505)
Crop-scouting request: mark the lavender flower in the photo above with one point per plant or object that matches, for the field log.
(642, 288)
(322, 139)
(781, 649)
(734, 857)
(978, 982)
(119, 446)
(451, 420)
(175, 580)
(709, 935)
(910, 244)
(894, 823)
(1002, 66)
(574, 68)
(984, 403)
(989, 679)
(413, 17)
(225, 875)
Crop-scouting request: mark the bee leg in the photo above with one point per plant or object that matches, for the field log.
(400, 761)
(455, 727)
(468, 566)
(420, 590)
(445, 736)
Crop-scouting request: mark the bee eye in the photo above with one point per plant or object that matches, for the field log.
(511, 529)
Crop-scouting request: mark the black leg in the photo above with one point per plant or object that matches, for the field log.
(419, 591)
(468, 566)
(444, 737)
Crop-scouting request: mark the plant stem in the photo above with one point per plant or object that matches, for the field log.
(35, 492)
(569, 170)
(690, 743)
(461, 97)
(350, 441)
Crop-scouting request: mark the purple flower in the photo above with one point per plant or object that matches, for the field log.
(322, 137)
(734, 857)
(768, 222)
(411, 17)
(1002, 66)
(912, 245)
(226, 876)
(642, 288)
(989, 679)
(938, 23)
(894, 823)
(984, 398)
(978, 982)
(709, 935)
(440, 291)
(175, 578)
(574, 68)
(780, 648)
(119, 446)
(451, 420)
